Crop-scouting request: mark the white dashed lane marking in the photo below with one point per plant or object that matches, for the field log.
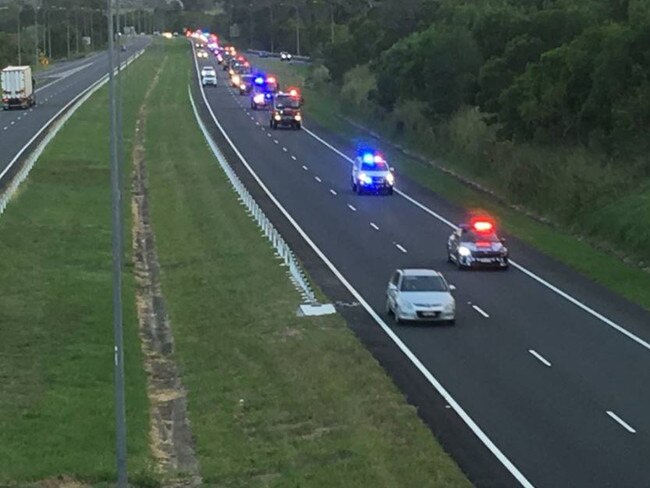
(304, 167)
(351, 207)
(481, 311)
(401, 248)
(333, 192)
(317, 179)
(293, 157)
(621, 422)
(539, 357)
(374, 226)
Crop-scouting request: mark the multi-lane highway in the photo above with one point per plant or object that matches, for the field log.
(55, 88)
(551, 371)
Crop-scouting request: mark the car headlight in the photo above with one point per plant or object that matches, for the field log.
(298, 117)
(235, 80)
(449, 308)
(390, 178)
(277, 117)
(259, 98)
(242, 87)
(464, 251)
(365, 178)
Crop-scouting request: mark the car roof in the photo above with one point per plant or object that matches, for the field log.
(420, 272)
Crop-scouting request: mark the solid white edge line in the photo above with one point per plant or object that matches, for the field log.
(521, 268)
(622, 422)
(56, 115)
(540, 357)
(374, 226)
(503, 459)
(481, 311)
(401, 248)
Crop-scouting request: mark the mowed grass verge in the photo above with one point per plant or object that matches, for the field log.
(56, 346)
(274, 400)
(604, 268)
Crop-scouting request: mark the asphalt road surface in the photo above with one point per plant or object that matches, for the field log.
(554, 369)
(54, 89)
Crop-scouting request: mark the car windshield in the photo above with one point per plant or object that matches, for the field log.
(382, 166)
(423, 283)
(287, 102)
(471, 236)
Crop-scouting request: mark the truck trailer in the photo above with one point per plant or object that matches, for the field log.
(17, 87)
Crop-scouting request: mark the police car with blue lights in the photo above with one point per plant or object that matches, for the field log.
(285, 110)
(264, 87)
(477, 245)
(371, 174)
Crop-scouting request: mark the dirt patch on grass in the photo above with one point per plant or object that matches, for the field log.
(171, 439)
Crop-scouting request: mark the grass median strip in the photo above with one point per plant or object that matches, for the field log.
(633, 283)
(56, 351)
(274, 399)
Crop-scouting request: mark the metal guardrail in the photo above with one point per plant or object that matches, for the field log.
(269, 54)
(284, 252)
(53, 126)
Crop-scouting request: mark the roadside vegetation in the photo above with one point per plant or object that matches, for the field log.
(56, 351)
(271, 398)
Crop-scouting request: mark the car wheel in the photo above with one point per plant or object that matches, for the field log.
(387, 308)
(449, 260)
(298, 126)
(359, 190)
(354, 187)
(451, 322)
(459, 265)
(390, 191)
(396, 318)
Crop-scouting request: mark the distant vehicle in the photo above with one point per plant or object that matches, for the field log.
(260, 98)
(175, 34)
(285, 56)
(246, 84)
(201, 54)
(420, 295)
(286, 110)
(371, 173)
(17, 87)
(123, 48)
(208, 76)
(476, 245)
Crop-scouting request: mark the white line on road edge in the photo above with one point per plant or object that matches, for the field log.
(401, 248)
(481, 311)
(71, 107)
(521, 268)
(333, 192)
(503, 459)
(374, 226)
(622, 422)
(540, 357)
(352, 207)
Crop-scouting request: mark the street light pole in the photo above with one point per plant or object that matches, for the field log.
(116, 228)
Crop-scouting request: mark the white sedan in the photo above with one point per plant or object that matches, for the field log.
(420, 295)
(208, 76)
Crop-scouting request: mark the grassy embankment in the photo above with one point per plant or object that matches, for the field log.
(323, 105)
(56, 347)
(274, 400)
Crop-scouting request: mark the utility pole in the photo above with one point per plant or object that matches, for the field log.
(20, 56)
(116, 228)
(297, 29)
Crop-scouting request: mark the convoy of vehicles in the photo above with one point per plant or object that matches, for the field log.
(17, 87)
(413, 295)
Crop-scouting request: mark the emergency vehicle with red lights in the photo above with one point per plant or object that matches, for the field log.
(476, 244)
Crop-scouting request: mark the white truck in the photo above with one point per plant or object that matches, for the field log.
(17, 87)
